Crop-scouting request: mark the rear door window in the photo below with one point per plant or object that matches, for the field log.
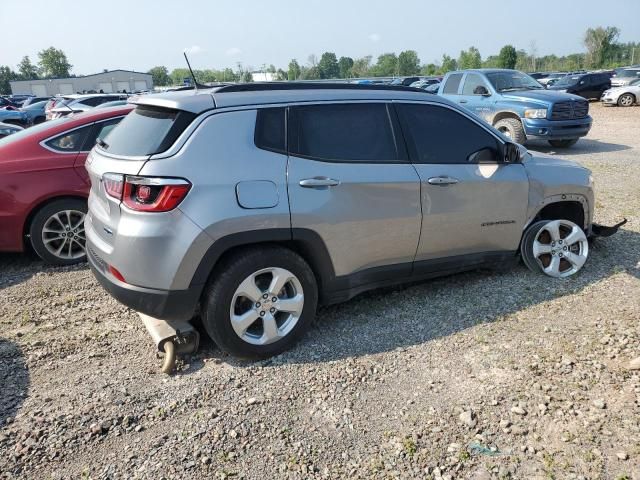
(358, 132)
(270, 130)
(452, 84)
(146, 130)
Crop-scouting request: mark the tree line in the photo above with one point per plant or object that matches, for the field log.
(602, 50)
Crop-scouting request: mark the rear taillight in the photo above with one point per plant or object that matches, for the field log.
(146, 194)
(113, 185)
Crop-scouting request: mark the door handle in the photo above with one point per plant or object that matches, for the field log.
(442, 180)
(463, 101)
(319, 182)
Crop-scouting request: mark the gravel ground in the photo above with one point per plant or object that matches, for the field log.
(481, 375)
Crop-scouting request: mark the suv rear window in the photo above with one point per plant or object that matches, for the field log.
(146, 131)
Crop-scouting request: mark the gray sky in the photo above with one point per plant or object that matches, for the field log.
(140, 34)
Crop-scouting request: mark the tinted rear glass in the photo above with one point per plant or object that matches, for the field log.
(147, 130)
(270, 129)
(343, 133)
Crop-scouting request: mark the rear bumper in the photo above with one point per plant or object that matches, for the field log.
(176, 305)
(557, 129)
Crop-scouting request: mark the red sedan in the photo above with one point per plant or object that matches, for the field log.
(44, 185)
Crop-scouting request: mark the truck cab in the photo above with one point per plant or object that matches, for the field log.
(518, 106)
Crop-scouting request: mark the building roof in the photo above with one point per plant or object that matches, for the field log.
(80, 76)
(265, 93)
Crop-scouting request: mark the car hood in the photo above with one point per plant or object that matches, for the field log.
(541, 96)
(542, 160)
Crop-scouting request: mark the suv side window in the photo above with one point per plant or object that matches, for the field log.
(453, 82)
(356, 132)
(100, 130)
(270, 133)
(471, 84)
(441, 135)
(69, 141)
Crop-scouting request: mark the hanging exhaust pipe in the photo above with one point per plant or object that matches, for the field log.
(172, 339)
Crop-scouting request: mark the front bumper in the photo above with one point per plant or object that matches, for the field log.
(556, 129)
(609, 100)
(175, 305)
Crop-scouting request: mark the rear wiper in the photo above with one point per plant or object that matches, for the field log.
(102, 143)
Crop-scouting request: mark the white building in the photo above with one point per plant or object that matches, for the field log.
(108, 82)
(263, 76)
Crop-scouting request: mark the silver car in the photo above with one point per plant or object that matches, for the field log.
(625, 96)
(252, 204)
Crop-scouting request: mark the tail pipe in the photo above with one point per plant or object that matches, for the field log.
(172, 339)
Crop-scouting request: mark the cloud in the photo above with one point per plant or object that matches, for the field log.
(233, 51)
(374, 37)
(193, 49)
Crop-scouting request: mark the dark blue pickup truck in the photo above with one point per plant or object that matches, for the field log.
(518, 105)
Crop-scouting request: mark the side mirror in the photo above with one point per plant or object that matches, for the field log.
(481, 90)
(511, 153)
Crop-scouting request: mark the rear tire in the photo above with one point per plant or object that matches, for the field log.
(626, 100)
(563, 143)
(513, 129)
(57, 232)
(241, 321)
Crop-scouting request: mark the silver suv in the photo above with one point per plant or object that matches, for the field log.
(252, 204)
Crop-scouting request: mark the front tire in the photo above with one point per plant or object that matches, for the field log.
(557, 248)
(57, 232)
(260, 303)
(626, 100)
(512, 128)
(563, 143)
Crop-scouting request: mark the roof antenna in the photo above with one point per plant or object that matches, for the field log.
(195, 82)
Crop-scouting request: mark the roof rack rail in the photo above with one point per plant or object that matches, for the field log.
(267, 86)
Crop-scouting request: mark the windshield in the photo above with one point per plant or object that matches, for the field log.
(36, 129)
(568, 80)
(511, 81)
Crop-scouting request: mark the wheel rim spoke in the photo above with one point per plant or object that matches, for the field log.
(249, 289)
(540, 248)
(554, 267)
(241, 323)
(279, 280)
(270, 326)
(576, 260)
(554, 230)
(574, 236)
(291, 305)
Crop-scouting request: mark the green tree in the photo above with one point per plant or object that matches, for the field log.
(328, 65)
(429, 69)
(53, 63)
(448, 64)
(386, 66)
(294, 70)
(160, 76)
(469, 59)
(26, 69)
(247, 77)
(601, 44)
(361, 67)
(408, 63)
(345, 64)
(311, 73)
(178, 75)
(281, 75)
(6, 75)
(508, 57)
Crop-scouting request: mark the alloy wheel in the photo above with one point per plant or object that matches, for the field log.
(561, 248)
(63, 234)
(266, 306)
